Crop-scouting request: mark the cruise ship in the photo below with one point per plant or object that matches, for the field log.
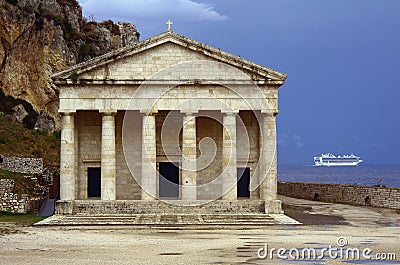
(330, 160)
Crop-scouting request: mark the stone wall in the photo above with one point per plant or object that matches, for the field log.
(45, 183)
(14, 203)
(50, 174)
(339, 193)
(6, 186)
(10, 202)
(22, 165)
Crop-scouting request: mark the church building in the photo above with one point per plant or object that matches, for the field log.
(168, 123)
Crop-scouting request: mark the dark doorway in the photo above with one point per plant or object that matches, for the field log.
(94, 182)
(243, 175)
(169, 180)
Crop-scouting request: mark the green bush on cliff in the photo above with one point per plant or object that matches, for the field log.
(84, 50)
(13, 2)
(17, 140)
(73, 3)
(27, 8)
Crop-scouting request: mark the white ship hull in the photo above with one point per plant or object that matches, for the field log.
(329, 160)
(341, 164)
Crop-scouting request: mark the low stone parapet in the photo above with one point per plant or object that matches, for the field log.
(342, 193)
(14, 203)
(22, 165)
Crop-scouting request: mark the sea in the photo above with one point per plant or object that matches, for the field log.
(363, 175)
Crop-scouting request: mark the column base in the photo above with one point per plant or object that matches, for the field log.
(230, 195)
(64, 207)
(189, 193)
(147, 197)
(273, 207)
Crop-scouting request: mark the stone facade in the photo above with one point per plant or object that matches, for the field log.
(339, 193)
(168, 102)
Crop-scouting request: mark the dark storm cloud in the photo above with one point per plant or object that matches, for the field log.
(185, 10)
(342, 59)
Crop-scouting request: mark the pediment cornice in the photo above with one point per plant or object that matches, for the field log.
(269, 74)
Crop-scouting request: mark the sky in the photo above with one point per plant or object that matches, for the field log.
(342, 58)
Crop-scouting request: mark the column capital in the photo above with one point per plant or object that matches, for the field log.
(149, 112)
(189, 112)
(271, 113)
(230, 112)
(67, 112)
(108, 112)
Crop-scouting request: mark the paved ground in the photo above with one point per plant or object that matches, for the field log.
(361, 227)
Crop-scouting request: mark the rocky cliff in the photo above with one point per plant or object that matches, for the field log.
(41, 37)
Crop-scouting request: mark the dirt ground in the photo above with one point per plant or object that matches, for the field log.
(325, 225)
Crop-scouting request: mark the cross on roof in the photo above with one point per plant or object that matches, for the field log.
(169, 23)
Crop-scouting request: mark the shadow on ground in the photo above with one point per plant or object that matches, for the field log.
(303, 215)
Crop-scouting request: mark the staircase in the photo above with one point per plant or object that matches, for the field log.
(171, 220)
(164, 214)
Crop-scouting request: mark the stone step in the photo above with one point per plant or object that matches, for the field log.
(168, 220)
(89, 207)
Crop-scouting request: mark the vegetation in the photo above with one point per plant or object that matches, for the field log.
(16, 139)
(84, 40)
(25, 219)
(73, 76)
(13, 2)
(27, 8)
(5, 6)
(70, 33)
(22, 184)
(72, 3)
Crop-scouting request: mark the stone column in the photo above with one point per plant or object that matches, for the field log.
(229, 178)
(149, 158)
(269, 188)
(67, 158)
(108, 171)
(189, 156)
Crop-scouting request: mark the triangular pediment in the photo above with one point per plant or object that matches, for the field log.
(144, 59)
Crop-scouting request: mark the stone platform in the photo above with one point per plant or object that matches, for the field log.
(165, 213)
(133, 207)
(175, 220)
